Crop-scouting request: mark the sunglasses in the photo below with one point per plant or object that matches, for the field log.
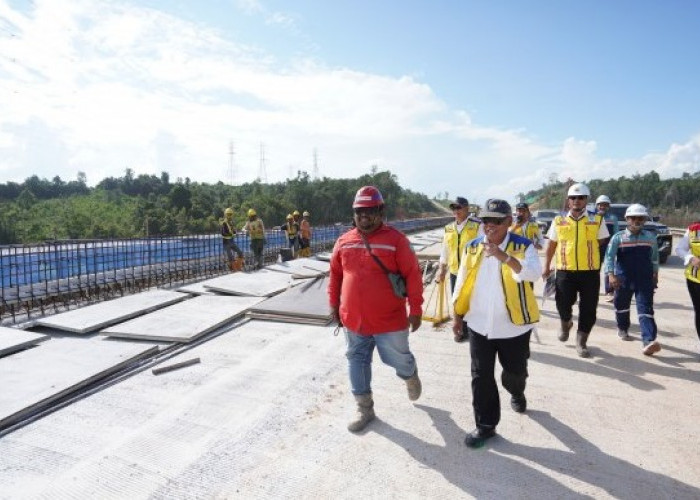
(496, 221)
(578, 197)
(366, 210)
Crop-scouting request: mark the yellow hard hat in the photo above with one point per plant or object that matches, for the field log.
(252, 212)
(306, 214)
(296, 212)
(228, 211)
(289, 216)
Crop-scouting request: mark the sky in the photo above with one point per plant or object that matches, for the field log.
(473, 98)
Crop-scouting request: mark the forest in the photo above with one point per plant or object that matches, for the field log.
(131, 206)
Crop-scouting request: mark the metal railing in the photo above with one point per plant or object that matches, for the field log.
(56, 275)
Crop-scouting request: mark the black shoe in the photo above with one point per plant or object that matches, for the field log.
(477, 437)
(519, 403)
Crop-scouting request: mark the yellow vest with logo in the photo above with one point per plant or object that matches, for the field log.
(528, 230)
(456, 242)
(521, 303)
(691, 272)
(577, 243)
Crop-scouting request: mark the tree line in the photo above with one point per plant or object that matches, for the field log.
(148, 205)
(677, 200)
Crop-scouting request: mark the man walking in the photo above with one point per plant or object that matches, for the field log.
(632, 265)
(523, 226)
(494, 294)
(457, 234)
(364, 302)
(575, 238)
(602, 206)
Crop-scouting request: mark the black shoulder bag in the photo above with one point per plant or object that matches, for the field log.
(398, 282)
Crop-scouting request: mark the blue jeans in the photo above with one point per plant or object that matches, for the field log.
(645, 311)
(393, 351)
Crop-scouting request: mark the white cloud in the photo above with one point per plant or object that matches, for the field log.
(100, 87)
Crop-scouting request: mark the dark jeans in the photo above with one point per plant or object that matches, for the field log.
(645, 310)
(512, 354)
(257, 245)
(694, 289)
(230, 248)
(583, 285)
(453, 280)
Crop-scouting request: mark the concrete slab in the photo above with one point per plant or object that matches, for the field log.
(262, 283)
(94, 317)
(185, 321)
(301, 267)
(34, 378)
(309, 301)
(196, 289)
(13, 340)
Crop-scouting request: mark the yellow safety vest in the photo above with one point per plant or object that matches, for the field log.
(528, 230)
(255, 227)
(577, 243)
(291, 229)
(691, 272)
(521, 303)
(231, 230)
(456, 241)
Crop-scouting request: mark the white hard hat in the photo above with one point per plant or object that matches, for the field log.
(578, 189)
(636, 210)
(602, 199)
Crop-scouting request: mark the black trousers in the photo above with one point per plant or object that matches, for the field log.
(513, 354)
(694, 290)
(583, 285)
(453, 281)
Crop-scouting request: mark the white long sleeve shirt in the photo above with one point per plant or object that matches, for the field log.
(444, 252)
(487, 310)
(683, 248)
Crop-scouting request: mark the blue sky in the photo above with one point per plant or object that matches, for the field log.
(474, 98)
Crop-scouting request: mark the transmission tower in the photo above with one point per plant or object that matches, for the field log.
(316, 174)
(262, 173)
(231, 164)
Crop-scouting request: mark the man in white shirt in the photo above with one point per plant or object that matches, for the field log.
(494, 295)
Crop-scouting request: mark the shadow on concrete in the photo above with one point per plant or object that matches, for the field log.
(479, 473)
(673, 305)
(587, 463)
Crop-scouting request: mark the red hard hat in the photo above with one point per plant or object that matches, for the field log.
(367, 197)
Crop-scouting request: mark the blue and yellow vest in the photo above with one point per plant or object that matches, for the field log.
(456, 242)
(691, 272)
(520, 298)
(527, 229)
(577, 243)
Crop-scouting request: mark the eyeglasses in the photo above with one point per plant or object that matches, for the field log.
(496, 221)
(579, 197)
(366, 210)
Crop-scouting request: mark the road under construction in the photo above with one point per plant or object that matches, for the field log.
(258, 408)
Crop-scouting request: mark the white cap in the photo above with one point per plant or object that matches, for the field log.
(578, 189)
(636, 210)
(602, 199)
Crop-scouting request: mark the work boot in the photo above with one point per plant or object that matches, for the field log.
(365, 413)
(565, 329)
(623, 335)
(518, 403)
(477, 437)
(414, 386)
(581, 348)
(651, 348)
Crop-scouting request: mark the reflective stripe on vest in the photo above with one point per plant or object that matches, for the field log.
(521, 303)
(577, 243)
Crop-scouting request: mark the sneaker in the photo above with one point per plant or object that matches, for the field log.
(477, 437)
(623, 335)
(518, 403)
(651, 348)
(610, 298)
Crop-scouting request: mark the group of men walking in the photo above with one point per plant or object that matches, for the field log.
(493, 264)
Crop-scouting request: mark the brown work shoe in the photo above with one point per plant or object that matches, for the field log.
(365, 413)
(414, 386)
(565, 329)
(651, 348)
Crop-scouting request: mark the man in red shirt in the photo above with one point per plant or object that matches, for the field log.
(365, 303)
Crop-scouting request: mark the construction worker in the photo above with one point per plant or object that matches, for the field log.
(305, 236)
(632, 264)
(688, 249)
(523, 226)
(228, 233)
(577, 237)
(291, 229)
(256, 230)
(364, 301)
(602, 206)
(457, 235)
(297, 220)
(500, 312)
